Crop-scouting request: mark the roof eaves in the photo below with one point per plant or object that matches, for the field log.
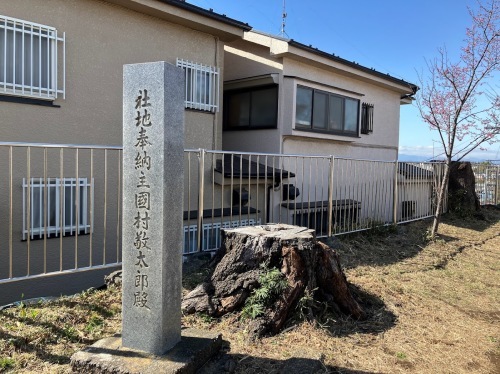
(208, 13)
(354, 65)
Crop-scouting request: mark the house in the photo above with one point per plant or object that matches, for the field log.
(281, 96)
(254, 103)
(61, 69)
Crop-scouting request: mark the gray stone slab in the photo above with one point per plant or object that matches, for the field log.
(153, 184)
(109, 356)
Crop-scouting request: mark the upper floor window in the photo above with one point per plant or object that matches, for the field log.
(202, 86)
(321, 111)
(251, 108)
(29, 59)
(366, 118)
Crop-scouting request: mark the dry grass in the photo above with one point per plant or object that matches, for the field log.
(433, 308)
(41, 338)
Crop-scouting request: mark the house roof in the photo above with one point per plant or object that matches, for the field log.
(353, 64)
(283, 47)
(208, 13)
(229, 29)
(413, 171)
(189, 15)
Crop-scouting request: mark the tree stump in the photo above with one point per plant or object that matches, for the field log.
(305, 263)
(462, 189)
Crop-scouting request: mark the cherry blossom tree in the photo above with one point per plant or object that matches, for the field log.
(459, 99)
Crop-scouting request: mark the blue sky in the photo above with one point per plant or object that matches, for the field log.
(391, 36)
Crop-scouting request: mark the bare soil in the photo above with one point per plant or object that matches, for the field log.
(434, 307)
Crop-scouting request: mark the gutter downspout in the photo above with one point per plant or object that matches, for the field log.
(216, 113)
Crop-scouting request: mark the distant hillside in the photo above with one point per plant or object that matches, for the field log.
(405, 157)
(414, 158)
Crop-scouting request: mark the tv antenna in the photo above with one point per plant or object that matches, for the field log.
(283, 21)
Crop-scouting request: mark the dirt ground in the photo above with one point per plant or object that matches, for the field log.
(434, 307)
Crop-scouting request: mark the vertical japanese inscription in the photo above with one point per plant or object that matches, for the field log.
(153, 190)
(142, 198)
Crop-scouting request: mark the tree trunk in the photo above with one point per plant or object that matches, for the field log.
(440, 198)
(462, 190)
(308, 266)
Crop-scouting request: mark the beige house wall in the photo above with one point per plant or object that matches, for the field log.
(260, 54)
(101, 38)
(307, 145)
(246, 60)
(386, 103)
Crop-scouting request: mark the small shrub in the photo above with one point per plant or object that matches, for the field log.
(401, 355)
(34, 313)
(272, 284)
(94, 323)
(253, 310)
(6, 363)
(305, 304)
(206, 318)
(69, 332)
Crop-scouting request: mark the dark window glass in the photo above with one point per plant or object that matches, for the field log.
(366, 118)
(303, 106)
(263, 111)
(320, 110)
(336, 113)
(351, 115)
(239, 109)
(325, 112)
(255, 107)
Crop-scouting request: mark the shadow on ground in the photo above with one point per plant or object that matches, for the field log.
(24, 330)
(234, 363)
(392, 244)
(478, 221)
(24, 345)
(380, 246)
(327, 316)
(379, 317)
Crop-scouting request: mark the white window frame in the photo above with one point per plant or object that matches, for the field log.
(40, 197)
(29, 54)
(211, 233)
(310, 124)
(202, 86)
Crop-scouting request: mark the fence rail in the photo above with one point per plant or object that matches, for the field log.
(487, 175)
(61, 203)
(332, 195)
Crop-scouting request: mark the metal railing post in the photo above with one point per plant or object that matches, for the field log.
(497, 175)
(201, 189)
(395, 194)
(330, 196)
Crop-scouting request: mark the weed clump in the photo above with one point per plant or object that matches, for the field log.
(272, 283)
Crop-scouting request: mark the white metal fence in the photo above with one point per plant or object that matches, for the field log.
(331, 195)
(61, 209)
(487, 175)
(61, 204)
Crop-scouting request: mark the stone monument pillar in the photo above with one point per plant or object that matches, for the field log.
(153, 177)
(153, 184)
